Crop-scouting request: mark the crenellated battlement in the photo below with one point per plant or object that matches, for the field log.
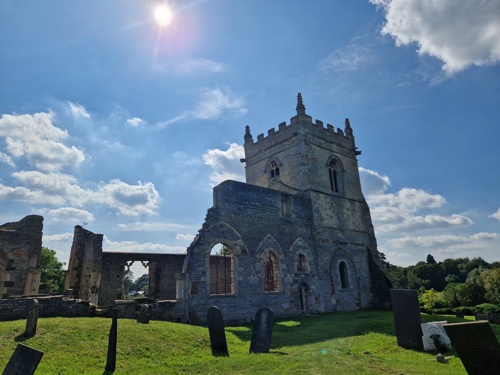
(301, 124)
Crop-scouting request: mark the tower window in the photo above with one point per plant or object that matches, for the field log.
(334, 176)
(301, 263)
(275, 169)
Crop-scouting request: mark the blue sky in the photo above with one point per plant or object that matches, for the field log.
(110, 121)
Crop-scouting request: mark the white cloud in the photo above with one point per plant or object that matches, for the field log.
(350, 58)
(372, 182)
(70, 214)
(130, 200)
(136, 247)
(6, 159)
(459, 33)
(142, 226)
(61, 189)
(39, 141)
(195, 66)
(439, 241)
(496, 215)
(135, 121)
(78, 110)
(226, 165)
(185, 237)
(217, 101)
(395, 213)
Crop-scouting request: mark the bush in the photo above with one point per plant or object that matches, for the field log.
(486, 308)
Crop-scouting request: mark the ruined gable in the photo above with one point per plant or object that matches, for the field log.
(20, 256)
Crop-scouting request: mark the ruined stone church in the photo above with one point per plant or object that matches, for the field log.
(297, 237)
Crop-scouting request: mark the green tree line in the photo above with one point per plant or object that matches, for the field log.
(450, 283)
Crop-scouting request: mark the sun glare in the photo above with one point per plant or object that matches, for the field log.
(163, 15)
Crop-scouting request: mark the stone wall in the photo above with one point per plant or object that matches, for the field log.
(20, 256)
(50, 306)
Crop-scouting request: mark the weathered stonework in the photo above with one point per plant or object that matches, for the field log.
(297, 238)
(20, 256)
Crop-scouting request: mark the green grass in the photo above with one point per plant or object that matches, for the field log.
(324, 344)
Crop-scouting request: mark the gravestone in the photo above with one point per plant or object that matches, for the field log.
(482, 317)
(144, 314)
(459, 314)
(406, 313)
(477, 347)
(24, 361)
(113, 335)
(217, 333)
(32, 319)
(262, 331)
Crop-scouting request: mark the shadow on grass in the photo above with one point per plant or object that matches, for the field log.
(21, 338)
(308, 329)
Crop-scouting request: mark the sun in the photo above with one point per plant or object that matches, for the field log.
(163, 15)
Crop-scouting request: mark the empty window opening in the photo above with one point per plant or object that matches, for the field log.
(221, 270)
(136, 283)
(275, 169)
(303, 297)
(334, 176)
(344, 275)
(271, 274)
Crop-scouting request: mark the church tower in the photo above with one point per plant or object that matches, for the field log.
(304, 156)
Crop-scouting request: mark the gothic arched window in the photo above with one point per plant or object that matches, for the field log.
(271, 275)
(275, 169)
(344, 275)
(301, 263)
(334, 176)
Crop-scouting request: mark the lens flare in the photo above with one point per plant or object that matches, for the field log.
(163, 15)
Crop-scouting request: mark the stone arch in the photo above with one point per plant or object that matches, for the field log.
(197, 261)
(344, 281)
(269, 254)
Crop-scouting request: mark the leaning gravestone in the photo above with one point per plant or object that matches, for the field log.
(32, 318)
(477, 347)
(406, 313)
(144, 315)
(262, 331)
(24, 361)
(217, 333)
(113, 336)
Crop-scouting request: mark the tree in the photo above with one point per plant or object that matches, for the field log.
(52, 272)
(428, 299)
(491, 279)
(430, 259)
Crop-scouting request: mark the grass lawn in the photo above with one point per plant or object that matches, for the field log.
(360, 342)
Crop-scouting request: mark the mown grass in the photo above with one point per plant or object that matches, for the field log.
(344, 343)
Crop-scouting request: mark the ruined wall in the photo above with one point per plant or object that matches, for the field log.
(161, 269)
(255, 222)
(20, 256)
(85, 263)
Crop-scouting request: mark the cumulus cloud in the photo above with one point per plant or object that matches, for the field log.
(459, 33)
(398, 212)
(129, 200)
(70, 214)
(62, 189)
(78, 110)
(496, 215)
(6, 159)
(350, 58)
(439, 241)
(372, 182)
(226, 164)
(142, 226)
(37, 139)
(135, 121)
